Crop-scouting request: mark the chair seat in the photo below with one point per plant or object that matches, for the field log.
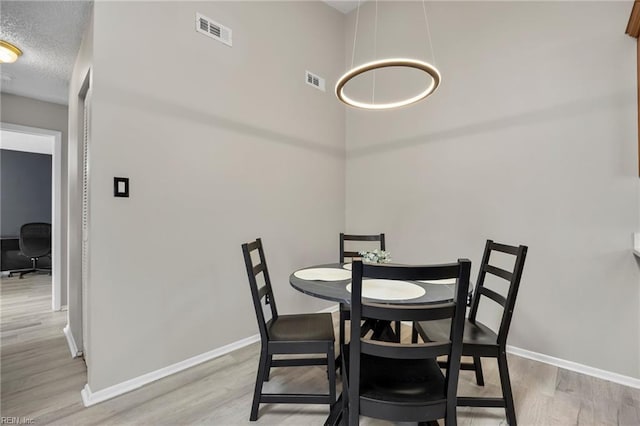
(302, 334)
(400, 380)
(475, 335)
(302, 327)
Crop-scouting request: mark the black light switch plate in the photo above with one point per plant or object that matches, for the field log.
(120, 187)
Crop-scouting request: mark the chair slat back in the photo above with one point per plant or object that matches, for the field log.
(498, 298)
(258, 293)
(258, 268)
(351, 237)
(421, 312)
(498, 272)
(408, 312)
(413, 351)
(513, 277)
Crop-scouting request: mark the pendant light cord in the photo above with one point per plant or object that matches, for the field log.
(355, 35)
(426, 21)
(375, 54)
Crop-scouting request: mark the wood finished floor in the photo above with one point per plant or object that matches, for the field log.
(39, 380)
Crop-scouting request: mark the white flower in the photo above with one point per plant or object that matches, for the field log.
(375, 256)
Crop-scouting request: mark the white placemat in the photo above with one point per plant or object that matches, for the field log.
(389, 290)
(347, 266)
(323, 274)
(444, 281)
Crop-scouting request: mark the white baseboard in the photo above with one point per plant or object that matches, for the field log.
(90, 398)
(73, 348)
(86, 395)
(558, 362)
(578, 368)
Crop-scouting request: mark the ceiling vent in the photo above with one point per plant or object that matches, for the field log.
(213, 29)
(314, 80)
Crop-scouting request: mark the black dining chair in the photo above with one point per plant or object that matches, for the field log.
(35, 243)
(350, 254)
(346, 255)
(402, 382)
(301, 334)
(480, 341)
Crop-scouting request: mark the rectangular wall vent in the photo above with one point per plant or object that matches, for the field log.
(213, 29)
(314, 80)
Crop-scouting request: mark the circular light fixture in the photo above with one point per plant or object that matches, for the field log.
(385, 63)
(8, 52)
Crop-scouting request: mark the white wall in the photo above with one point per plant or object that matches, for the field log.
(530, 140)
(44, 115)
(221, 145)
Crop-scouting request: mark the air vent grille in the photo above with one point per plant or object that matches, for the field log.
(213, 29)
(314, 80)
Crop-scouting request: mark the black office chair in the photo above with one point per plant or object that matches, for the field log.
(287, 334)
(402, 382)
(35, 243)
(345, 255)
(479, 340)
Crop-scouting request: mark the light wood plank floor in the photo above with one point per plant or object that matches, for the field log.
(39, 380)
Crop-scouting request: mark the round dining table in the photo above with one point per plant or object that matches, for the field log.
(336, 291)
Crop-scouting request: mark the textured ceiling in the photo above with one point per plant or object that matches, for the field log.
(49, 33)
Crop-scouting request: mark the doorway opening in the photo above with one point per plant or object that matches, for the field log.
(25, 139)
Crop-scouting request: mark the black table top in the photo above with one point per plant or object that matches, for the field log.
(336, 291)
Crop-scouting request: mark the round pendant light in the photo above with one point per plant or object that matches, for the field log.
(386, 63)
(376, 64)
(8, 52)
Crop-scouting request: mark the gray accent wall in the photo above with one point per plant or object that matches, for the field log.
(531, 139)
(221, 146)
(25, 190)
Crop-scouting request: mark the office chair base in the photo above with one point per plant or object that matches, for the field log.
(15, 272)
(34, 268)
(29, 271)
